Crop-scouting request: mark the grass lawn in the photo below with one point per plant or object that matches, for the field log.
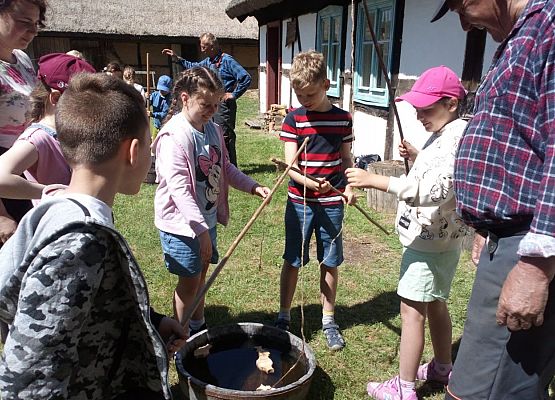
(248, 287)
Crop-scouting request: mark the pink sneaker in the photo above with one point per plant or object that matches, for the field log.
(427, 372)
(389, 390)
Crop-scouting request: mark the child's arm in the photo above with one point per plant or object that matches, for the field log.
(347, 162)
(169, 328)
(360, 178)
(290, 149)
(238, 179)
(21, 156)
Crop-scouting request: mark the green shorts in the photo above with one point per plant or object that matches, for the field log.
(426, 277)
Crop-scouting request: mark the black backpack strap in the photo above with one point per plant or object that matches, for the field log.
(81, 206)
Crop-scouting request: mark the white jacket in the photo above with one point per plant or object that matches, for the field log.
(426, 218)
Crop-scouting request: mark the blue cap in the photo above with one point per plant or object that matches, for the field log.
(164, 83)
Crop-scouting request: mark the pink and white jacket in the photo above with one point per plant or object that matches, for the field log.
(175, 207)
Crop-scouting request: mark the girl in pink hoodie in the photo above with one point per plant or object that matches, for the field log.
(194, 174)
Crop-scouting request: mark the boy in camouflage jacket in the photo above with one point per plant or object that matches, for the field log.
(76, 300)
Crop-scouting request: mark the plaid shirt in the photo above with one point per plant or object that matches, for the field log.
(505, 167)
(234, 77)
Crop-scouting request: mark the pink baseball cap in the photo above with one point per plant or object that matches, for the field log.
(433, 85)
(56, 69)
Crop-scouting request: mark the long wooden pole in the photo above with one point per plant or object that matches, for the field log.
(335, 190)
(386, 77)
(147, 82)
(223, 261)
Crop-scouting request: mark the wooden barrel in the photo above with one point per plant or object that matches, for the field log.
(151, 174)
(382, 201)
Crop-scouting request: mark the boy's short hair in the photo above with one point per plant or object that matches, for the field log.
(308, 67)
(95, 114)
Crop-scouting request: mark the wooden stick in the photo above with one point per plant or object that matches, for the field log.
(313, 178)
(386, 77)
(147, 82)
(235, 243)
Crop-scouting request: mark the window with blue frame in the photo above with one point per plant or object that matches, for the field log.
(369, 85)
(328, 42)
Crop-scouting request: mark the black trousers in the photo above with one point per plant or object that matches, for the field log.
(493, 362)
(225, 117)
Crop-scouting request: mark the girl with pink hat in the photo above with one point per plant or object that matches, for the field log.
(428, 228)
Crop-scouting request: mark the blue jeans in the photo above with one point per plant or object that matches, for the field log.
(325, 222)
(182, 253)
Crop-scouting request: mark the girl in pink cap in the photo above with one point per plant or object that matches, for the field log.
(429, 229)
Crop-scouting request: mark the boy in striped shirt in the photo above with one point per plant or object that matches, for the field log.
(311, 206)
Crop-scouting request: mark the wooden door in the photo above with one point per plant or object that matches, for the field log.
(273, 64)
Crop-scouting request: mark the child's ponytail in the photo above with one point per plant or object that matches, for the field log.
(39, 98)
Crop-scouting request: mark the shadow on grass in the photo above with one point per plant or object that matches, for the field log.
(250, 169)
(380, 309)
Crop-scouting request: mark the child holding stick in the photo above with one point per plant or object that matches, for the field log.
(314, 206)
(194, 174)
(429, 230)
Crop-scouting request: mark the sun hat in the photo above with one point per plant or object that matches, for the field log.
(433, 85)
(164, 83)
(442, 9)
(56, 69)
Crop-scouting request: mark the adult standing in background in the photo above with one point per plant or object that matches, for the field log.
(20, 21)
(235, 79)
(504, 186)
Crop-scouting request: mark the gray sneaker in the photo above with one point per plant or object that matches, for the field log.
(333, 337)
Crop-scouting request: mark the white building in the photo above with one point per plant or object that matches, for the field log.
(409, 43)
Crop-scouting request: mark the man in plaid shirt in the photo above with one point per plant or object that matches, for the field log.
(505, 188)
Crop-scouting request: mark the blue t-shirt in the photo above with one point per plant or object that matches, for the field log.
(208, 171)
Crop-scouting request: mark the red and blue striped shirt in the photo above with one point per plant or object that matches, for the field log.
(328, 131)
(505, 166)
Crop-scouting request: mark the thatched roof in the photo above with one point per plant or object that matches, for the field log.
(241, 8)
(274, 10)
(147, 18)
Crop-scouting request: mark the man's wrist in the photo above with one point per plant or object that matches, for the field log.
(539, 265)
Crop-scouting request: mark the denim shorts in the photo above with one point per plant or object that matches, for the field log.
(325, 222)
(182, 253)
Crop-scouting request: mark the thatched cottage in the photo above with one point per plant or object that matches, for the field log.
(124, 31)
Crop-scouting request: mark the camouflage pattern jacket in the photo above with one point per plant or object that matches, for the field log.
(78, 307)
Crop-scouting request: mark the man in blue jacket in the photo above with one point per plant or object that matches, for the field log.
(234, 77)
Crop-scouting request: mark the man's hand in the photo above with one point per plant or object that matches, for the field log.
(524, 294)
(7, 227)
(173, 334)
(477, 246)
(169, 52)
